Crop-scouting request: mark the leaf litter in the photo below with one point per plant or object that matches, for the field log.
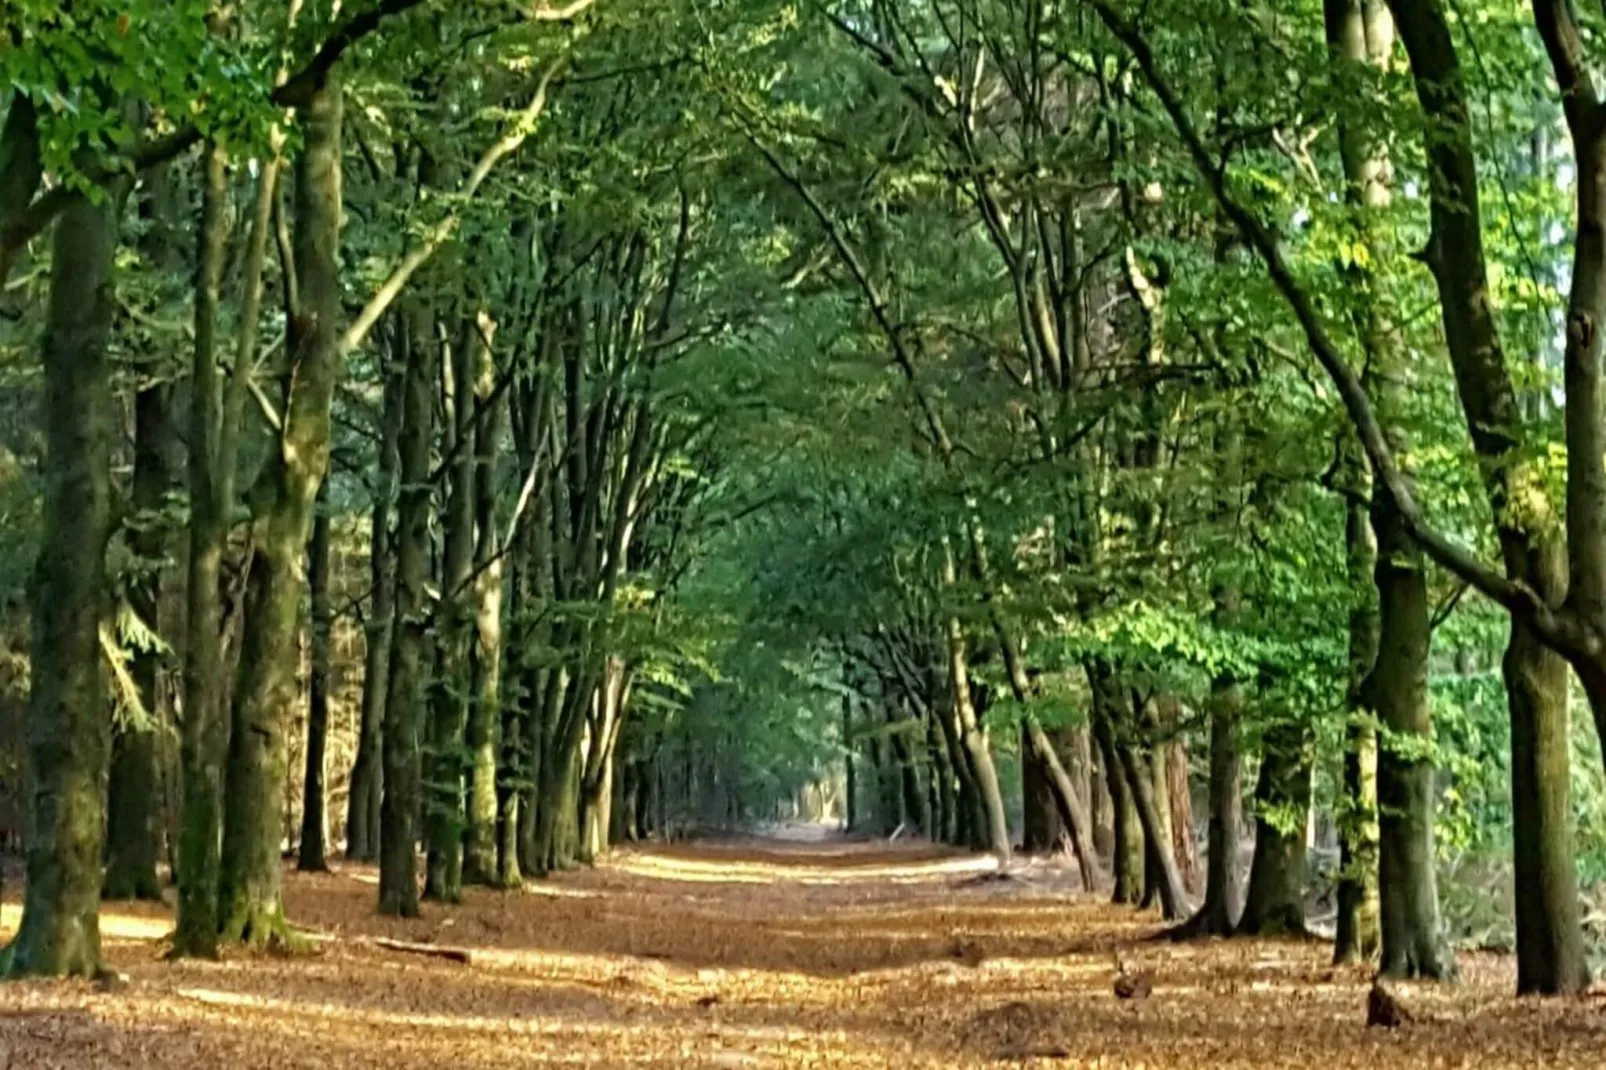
(755, 954)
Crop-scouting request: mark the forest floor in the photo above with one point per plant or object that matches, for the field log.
(762, 953)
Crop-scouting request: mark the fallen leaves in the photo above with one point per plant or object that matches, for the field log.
(830, 956)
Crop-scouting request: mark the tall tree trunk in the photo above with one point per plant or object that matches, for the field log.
(1101, 803)
(135, 801)
(971, 735)
(1073, 815)
(454, 632)
(215, 414)
(1360, 34)
(1275, 902)
(1549, 936)
(67, 702)
(133, 804)
(1218, 914)
(1359, 937)
(362, 804)
(557, 809)
(251, 905)
(1412, 943)
(312, 857)
(1129, 847)
(1174, 755)
(850, 817)
(405, 695)
(480, 854)
(945, 813)
(1550, 949)
(596, 784)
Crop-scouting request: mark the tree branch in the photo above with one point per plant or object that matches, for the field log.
(1517, 597)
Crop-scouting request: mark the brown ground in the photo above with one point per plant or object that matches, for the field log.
(762, 954)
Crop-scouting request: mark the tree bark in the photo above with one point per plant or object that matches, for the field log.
(133, 804)
(1128, 840)
(1358, 935)
(362, 805)
(251, 907)
(1218, 914)
(135, 807)
(1550, 949)
(480, 855)
(408, 674)
(312, 857)
(68, 740)
(1042, 827)
(971, 735)
(1275, 902)
(214, 435)
(1412, 943)
(447, 757)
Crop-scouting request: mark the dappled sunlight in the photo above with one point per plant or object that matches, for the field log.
(790, 868)
(863, 957)
(116, 924)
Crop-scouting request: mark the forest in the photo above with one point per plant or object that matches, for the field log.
(618, 524)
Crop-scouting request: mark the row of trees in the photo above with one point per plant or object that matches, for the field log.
(882, 378)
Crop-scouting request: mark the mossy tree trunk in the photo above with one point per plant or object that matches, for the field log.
(68, 738)
(251, 906)
(214, 433)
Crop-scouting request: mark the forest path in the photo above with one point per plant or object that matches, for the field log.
(784, 952)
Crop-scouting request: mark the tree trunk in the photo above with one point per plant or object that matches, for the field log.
(596, 788)
(850, 813)
(1042, 827)
(67, 702)
(1218, 915)
(1128, 851)
(1157, 845)
(133, 803)
(215, 414)
(454, 631)
(1359, 936)
(1275, 902)
(557, 809)
(1183, 845)
(480, 853)
(405, 694)
(971, 735)
(945, 813)
(1412, 944)
(1550, 949)
(362, 805)
(249, 887)
(1073, 816)
(312, 857)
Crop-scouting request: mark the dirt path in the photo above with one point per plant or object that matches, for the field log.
(775, 953)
